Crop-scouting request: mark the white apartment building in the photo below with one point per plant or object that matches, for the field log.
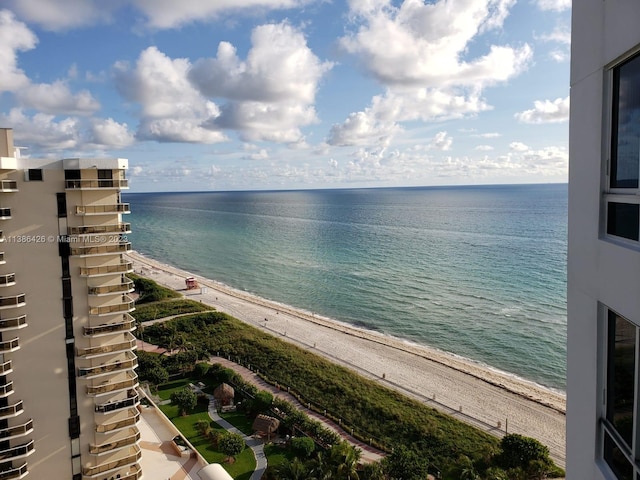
(68, 401)
(603, 377)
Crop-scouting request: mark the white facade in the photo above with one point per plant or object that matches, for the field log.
(68, 401)
(603, 297)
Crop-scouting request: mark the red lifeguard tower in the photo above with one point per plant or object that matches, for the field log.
(191, 283)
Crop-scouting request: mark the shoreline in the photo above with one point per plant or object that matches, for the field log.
(428, 374)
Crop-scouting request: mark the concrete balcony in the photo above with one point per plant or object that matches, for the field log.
(17, 431)
(14, 472)
(18, 452)
(9, 346)
(105, 470)
(2, 237)
(2, 259)
(113, 386)
(127, 305)
(16, 323)
(132, 418)
(122, 267)
(11, 411)
(6, 389)
(6, 368)
(132, 400)
(114, 228)
(7, 280)
(128, 363)
(129, 437)
(103, 209)
(5, 213)
(91, 352)
(127, 324)
(97, 184)
(12, 301)
(7, 186)
(98, 250)
(125, 286)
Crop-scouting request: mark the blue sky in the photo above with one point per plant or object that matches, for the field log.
(288, 94)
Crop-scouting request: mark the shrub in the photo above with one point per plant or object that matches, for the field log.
(231, 444)
(303, 446)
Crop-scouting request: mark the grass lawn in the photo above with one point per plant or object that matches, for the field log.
(165, 390)
(240, 421)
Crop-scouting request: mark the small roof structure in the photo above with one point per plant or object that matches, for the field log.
(224, 394)
(265, 424)
(214, 472)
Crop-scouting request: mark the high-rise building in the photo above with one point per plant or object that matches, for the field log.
(603, 374)
(67, 381)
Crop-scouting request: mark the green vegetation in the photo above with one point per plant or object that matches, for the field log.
(150, 291)
(167, 308)
(185, 399)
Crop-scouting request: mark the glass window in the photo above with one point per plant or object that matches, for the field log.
(35, 175)
(623, 220)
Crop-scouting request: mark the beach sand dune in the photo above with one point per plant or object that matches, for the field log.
(492, 400)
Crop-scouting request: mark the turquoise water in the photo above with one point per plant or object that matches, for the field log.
(476, 271)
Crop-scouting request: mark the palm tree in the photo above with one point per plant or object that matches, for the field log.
(345, 458)
(293, 470)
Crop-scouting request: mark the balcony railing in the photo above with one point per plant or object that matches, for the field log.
(127, 345)
(96, 184)
(5, 213)
(131, 420)
(134, 473)
(17, 431)
(6, 368)
(2, 260)
(114, 386)
(94, 471)
(117, 366)
(15, 323)
(7, 279)
(2, 237)
(12, 473)
(12, 301)
(86, 251)
(102, 209)
(6, 389)
(116, 444)
(9, 345)
(12, 410)
(20, 451)
(123, 267)
(8, 186)
(110, 407)
(125, 286)
(128, 305)
(128, 324)
(100, 229)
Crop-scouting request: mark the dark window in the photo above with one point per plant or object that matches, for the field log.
(623, 220)
(62, 204)
(616, 460)
(65, 266)
(105, 178)
(625, 145)
(66, 288)
(72, 174)
(35, 175)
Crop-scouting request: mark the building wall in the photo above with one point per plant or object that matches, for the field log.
(602, 271)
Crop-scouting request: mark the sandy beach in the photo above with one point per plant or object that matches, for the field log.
(492, 400)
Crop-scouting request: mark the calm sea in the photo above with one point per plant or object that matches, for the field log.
(475, 271)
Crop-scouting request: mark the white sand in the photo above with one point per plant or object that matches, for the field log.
(472, 392)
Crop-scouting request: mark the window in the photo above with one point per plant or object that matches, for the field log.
(623, 206)
(34, 175)
(620, 449)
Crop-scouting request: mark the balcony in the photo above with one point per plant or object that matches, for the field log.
(7, 324)
(100, 229)
(5, 213)
(112, 467)
(17, 431)
(128, 324)
(6, 368)
(2, 260)
(8, 186)
(129, 364)
(125, 286)
(9, 346)
(133, 473)
(122, 267)
(13, 473)
(2, 237)
(6, 390)
(14, 453)
(12, 301)
(7, 280)
(132, 418)
(103, 209)
(110, 407)
(113, 386)
(127, 305)
(96, 184)
(127, 345)
(12, 410)
(101, 449)
(92, 251)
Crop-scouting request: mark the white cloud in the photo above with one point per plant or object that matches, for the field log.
(483, 148)
(441, 141)
(172, 110)
(518, 147)
(561, 34)
(110, 133)
(271, 94)
(14, 37)
(555, 5)
(487, 135)
(546, 111)
(63, 14)
(56, 98)
(262, 154)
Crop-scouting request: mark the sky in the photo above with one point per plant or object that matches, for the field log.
(223, 95)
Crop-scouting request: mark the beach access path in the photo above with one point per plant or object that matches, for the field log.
(494, 401)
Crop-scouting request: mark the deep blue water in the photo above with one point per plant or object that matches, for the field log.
(477, 271)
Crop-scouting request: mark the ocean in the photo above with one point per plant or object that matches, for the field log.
(476, 271)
